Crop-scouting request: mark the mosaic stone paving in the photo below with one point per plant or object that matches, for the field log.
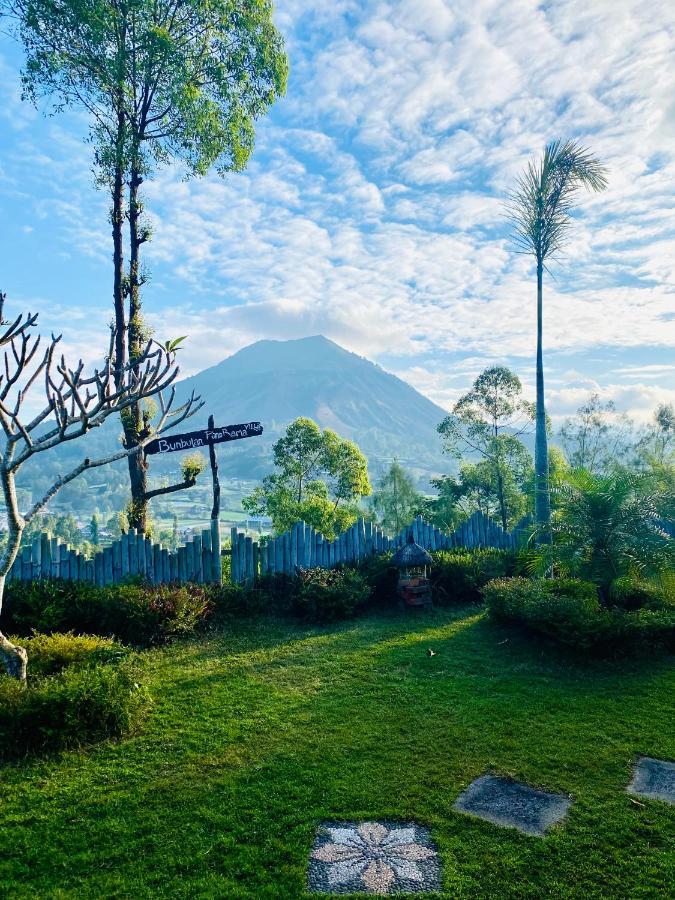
(654, 778)
(512, 805)
(373, 858)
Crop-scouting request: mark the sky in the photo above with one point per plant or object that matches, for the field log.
(372, 210)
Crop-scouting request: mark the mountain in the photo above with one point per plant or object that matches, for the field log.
(274, 382)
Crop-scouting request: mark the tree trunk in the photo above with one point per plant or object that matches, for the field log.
(13, 658)
(117, 220)
(542, 498)
(134, 426)
(502, 502)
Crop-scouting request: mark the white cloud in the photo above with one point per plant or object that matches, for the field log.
(371, 210)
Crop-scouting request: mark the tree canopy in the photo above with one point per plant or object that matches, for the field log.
(319, 479)
(396, 500)
(487, 422)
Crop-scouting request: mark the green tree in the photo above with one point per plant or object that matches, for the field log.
(61, 526)
(320, 479)
(476, 488)
(184, 81)
(396, 500)
(94, 531)
(656, 447)
(540, 210)
(597, 437)
(488, 421)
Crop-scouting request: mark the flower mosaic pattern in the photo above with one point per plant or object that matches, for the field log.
(373, 857)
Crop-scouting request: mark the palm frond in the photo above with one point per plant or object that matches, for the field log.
(540, 207)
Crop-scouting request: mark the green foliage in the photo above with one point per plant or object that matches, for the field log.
(188, 79)
(458, 576)
(49, 654)
(597, 437)
(479, 486)
(606, 527)
(174, 345)
(396, 500)
(135, 613)
(569, 612)
(382, 578)
(328, 595)
(541, 206)
(94, 534)
(313, 595)
(656, 447)
(631, 594)
(320, 478)
(79, 705)
(488, 421)
(192, 465)
(61, 526)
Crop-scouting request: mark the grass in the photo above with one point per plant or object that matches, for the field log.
(258, 734)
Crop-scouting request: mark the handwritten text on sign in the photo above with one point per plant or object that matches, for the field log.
(192, 440)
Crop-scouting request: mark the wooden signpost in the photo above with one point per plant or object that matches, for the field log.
(207, 437)
(193, 440)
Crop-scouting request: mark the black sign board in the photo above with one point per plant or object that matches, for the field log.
(193, 440)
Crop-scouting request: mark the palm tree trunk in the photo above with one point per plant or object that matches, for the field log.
(542, 499)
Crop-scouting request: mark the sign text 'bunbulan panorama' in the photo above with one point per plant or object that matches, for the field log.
(192, 440)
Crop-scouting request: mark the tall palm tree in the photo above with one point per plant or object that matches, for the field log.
(539, 210)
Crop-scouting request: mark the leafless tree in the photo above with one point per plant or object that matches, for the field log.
(74, 403)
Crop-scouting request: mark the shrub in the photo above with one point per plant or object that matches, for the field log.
(631, 594)
(316, 595)
(79, 690)
(136, 613)
(382, 578)
(327, 595)
(145, 616)
(236, 599)
(457, 576)
(569, 611)
(49, 654)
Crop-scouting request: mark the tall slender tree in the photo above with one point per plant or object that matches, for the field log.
(162, 80)
(540, 211)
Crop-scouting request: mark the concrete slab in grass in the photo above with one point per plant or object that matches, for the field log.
(513, 805)
(654, 778)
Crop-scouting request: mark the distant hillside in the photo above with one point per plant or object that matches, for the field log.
(277, 381)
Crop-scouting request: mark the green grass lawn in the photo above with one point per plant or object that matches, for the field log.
(260, 733)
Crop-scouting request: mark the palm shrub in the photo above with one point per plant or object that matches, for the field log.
(606, 527)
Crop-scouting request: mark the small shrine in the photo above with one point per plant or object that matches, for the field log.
(414, 587)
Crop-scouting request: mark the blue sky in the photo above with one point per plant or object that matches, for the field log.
(371, 210)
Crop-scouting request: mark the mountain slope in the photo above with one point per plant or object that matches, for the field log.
(274, 382)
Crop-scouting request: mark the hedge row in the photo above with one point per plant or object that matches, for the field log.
(569, 612)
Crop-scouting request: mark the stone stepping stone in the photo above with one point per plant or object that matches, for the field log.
(653, 778)
(512, 805)
(373, 858)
